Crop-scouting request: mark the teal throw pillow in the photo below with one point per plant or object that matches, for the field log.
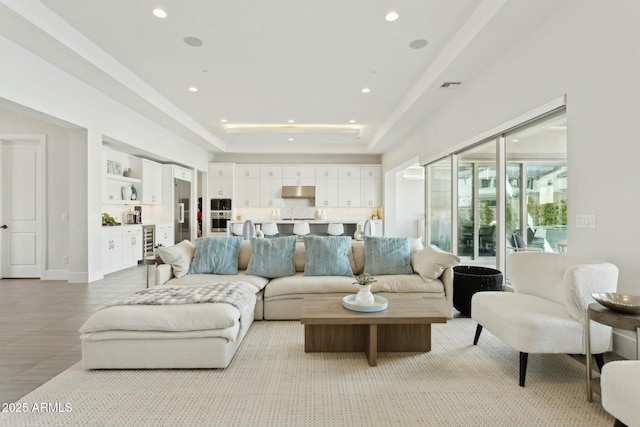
(272, 258)
(387, 255)
(216, 255)
(327, 256)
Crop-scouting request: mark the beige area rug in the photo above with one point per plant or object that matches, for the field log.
(273, 382)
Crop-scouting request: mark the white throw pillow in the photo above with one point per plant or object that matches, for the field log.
(431, 261)
(178, 256)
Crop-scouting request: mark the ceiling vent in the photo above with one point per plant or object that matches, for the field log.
(450, 85)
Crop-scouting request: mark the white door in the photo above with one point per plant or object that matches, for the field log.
(22, 212)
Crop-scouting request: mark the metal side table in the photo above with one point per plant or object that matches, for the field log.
(615, 319)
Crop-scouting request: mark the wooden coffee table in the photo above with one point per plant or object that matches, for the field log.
(404, 326)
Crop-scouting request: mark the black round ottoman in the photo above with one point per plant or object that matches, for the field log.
(467, 280)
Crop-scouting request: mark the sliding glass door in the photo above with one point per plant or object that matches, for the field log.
(533, 181)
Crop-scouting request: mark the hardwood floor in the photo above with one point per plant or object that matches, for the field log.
(39, 322)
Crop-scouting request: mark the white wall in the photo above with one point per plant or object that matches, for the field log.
(410, 195)
(588, 51)
(57, 166)
(29, 81)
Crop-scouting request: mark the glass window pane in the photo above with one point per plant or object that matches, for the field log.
(439, 204)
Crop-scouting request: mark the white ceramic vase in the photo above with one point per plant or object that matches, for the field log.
(359, 234)
(126, 192)
(364, 295)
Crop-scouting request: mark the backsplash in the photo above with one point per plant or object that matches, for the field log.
(303, 209)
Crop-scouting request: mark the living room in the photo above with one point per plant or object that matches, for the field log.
(575, 53)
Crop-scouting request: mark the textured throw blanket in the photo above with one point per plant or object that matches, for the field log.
(239, 294)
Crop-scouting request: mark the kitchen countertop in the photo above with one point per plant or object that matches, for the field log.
(310, 221)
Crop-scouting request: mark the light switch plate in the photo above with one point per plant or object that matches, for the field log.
(585, 221)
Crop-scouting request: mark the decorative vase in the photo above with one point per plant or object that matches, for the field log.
(364, 296)
(126, 192)
(358, 235)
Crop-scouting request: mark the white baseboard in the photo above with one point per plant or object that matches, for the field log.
(624, 344)
(56, 275)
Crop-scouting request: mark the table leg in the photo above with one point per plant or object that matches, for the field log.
(587, 344)
(372, 345)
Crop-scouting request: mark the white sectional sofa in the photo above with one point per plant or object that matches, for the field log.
(280, 298)
(280, 272)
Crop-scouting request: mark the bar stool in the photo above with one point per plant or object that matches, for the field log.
(369, 228)
(248, 230)
(236, 229)
(301, 229)
(335, 229)
(270, 229)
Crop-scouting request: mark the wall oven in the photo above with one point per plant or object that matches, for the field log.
(220, 220)
(220, 214)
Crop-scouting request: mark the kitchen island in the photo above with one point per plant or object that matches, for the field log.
(318, 227)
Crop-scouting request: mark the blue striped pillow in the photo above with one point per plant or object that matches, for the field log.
(327, 256)
(387, 255)
(216, 255)
(272, 258)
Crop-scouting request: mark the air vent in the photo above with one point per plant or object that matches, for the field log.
(450, 85)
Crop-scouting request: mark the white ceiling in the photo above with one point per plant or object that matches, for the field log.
(267, 62)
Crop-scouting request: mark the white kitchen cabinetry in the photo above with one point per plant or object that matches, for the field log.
(271, 185)
(349, 186)
(111, 249)
(370, 181)
(326, 172)
(221, 177)
(247, 186)
(298, 175)
(131, 245)
(151, 182)
(114, 165)
(181, 173)
(327, 192)
(164, 235)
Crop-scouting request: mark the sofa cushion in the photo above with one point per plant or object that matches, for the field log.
(327, 256)
(208, 279)
(217, 255)
(178, 256)
(431, 261)
(272, 257)
(387, 255)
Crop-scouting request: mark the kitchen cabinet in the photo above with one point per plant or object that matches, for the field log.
(298, 175)
(164, 235)
(349, 186)
(271, 171)
(247, 192)
(326, 172)
(151, 182)
(221, 177)
(370, 181)
(114, 181)
(111, 249)
(131, 245)
(327, 192)
(181, 173)
(271, 192)
(247, 172)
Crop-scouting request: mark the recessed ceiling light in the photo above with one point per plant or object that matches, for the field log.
(291, 121)
(365, 90)
(418, 44)
(160, 13)
(352, 121)
(193, 41)
(391, 16)
(291, 139)
(193, 89)
(223, 120)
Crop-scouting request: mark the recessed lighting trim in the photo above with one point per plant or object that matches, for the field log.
(193, 41)
(159, 13)
(352, 121)
(392, 16)
(365, 90)
(223, 120)
(418, 44)
(291, 139)
(193, 89)
(290, 121)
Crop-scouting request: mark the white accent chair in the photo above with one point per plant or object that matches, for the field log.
(301, 229)
(270, 229)
(620, 388)
(545, 313)
(335, 229)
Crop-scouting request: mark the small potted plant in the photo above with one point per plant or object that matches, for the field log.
(364, 295)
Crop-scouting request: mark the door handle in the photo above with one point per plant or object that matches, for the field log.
(181, 217)
(4, 226)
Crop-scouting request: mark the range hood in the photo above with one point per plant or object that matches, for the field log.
(298, 192)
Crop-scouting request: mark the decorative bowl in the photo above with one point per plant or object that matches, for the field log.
(380, 304)
(619, 302)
